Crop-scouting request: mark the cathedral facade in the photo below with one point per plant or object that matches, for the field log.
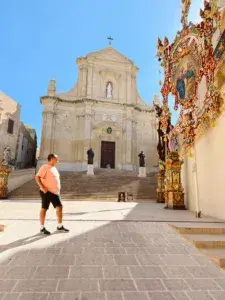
(103, 111)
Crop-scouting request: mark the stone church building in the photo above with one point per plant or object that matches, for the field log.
(104, 111)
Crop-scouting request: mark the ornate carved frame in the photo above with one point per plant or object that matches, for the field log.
(193, 42)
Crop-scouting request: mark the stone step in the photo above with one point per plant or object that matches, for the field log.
(208, 238)
(106, 184)
(206, 241)
(216, 255)
(88, 199)
(199, 230)
(79, 197)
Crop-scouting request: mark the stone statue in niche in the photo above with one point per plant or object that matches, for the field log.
(6, 156)
(109, 90)
(90, 154)
(141, 159)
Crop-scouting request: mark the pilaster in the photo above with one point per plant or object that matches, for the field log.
(83, 81)
(129, 96)
(46, 142)
(90, 81)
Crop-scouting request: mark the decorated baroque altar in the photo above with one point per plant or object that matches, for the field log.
(189, 64)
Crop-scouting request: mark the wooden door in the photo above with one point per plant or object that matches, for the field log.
(108, 154)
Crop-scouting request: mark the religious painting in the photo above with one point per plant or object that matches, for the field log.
(185, 82)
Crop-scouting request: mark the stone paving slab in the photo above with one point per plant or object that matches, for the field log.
(103, 260)
(11, 210)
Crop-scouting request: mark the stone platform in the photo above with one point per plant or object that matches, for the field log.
(127, 258)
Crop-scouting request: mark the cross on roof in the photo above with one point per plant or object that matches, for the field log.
(110, 39)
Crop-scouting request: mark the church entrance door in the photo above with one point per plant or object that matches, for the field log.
(108, 154)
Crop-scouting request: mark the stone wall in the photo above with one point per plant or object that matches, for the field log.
(9, 109)
(19, 177)
(210, 151)
(27, 143)
(70, 130)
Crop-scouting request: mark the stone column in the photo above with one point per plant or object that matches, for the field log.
(80, 138)
(87, 128)
(134, 143)
(128, 141)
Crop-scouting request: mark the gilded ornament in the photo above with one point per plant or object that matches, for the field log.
(174, 192)
(4, 175)
(192, 52)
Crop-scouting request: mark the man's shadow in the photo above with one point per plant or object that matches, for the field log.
(23, 242)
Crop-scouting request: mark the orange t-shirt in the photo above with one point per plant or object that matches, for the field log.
(50, 178)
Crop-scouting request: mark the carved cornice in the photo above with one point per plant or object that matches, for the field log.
(79, 117)
(84, 116)
(88, 116)
(95, 101)
(82, 67)
(48, 112)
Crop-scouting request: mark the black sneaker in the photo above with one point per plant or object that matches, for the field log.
(62, 229)
(45, 231)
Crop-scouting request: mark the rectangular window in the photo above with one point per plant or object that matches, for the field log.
(10, 126)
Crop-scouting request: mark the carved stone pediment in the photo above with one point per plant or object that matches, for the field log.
(109, 53)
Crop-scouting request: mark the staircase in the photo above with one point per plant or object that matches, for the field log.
(104, 186)
(209, 239)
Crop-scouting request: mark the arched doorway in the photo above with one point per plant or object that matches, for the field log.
(108, 150)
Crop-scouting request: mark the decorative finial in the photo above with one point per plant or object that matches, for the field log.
(52, 88)
(110, 40)
(185, 12)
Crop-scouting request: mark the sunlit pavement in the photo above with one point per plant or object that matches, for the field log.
(114, 251)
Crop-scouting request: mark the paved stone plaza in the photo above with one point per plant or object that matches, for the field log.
(111, 253)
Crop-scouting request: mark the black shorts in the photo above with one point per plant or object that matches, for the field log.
(50, 198)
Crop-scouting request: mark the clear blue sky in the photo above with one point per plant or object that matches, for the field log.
(42, 39)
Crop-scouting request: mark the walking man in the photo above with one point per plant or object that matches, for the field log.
(48, 179)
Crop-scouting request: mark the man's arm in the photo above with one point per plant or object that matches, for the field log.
(40, 184)
(41, 174)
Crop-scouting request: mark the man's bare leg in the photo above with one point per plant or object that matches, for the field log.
(59, 214)
(42, 217)
(42, 221)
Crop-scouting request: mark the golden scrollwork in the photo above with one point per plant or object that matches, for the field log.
(4, 175)
(174, 192)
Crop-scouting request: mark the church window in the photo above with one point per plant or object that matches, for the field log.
(109, 89)
(10, 126)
